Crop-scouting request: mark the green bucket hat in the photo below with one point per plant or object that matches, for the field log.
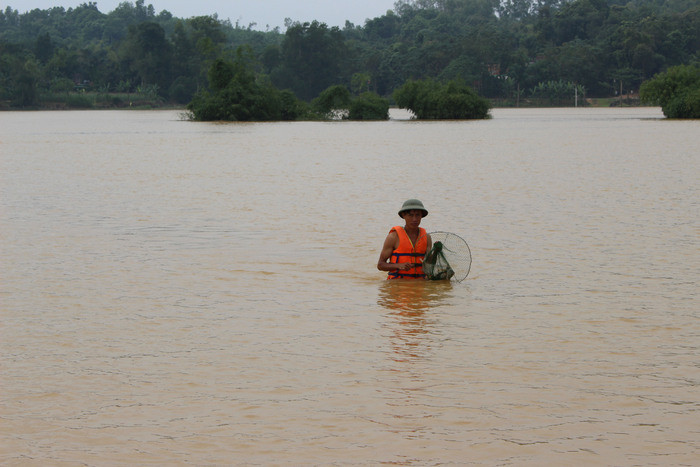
(411, 204)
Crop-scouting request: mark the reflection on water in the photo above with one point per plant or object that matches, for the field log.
(413, 307)
(192, 293)
(413, 295)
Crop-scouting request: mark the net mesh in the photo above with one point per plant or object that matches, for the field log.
(448, 259)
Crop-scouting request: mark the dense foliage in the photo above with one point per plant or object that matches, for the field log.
(369, 106)
(46, 54)
(235, 94)
(310, 58)
(677, 91)
(334, 98)
(510, 50)
(337, 102)
(428, 99)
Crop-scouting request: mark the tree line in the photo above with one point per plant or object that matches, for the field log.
(510, 50)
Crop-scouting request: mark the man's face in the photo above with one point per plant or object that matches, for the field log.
(413, 217)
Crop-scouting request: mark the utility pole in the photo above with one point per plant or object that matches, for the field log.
(620, 93)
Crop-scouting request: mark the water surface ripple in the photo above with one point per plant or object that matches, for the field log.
(203, 293)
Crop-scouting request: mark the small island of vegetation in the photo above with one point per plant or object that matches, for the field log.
(677, 91)
(235, 93)
(428, 99)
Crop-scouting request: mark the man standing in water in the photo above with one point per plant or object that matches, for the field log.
(405, 247)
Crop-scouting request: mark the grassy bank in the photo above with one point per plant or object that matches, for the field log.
(94, 101)
(588, 102)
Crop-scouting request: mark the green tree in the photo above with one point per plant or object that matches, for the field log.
(24, 83)
(236, 94)
(336, 101)
(369, 106)
(360, 82)
(312, 54)
(428, 99)
(677, 91)
(208, 36)
(331, 99)
(44, 47)
(148, 53)
(500, 48)
(186, 67)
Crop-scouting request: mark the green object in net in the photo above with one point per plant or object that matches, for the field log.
(448, 259)
(435, 265)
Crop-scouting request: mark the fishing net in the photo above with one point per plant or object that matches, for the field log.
(448, 259)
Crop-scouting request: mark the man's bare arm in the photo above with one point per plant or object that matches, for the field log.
(390, 244)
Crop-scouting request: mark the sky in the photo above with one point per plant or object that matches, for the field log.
(265, 13)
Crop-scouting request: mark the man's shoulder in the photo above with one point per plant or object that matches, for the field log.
(392, 239)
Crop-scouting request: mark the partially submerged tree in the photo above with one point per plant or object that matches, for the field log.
(369, 106)
(428, 99)
(336, 102)
(236, 94)
(677, 91)
(331, 100)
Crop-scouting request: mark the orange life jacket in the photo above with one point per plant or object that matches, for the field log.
(407, 252)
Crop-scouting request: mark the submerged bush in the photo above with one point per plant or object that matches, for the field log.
(428, 99)
(235, 94)
(369, 106)
(331, 99)
(336, 102)
(677, 91)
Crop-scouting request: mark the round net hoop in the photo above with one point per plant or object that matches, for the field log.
(449, 258)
